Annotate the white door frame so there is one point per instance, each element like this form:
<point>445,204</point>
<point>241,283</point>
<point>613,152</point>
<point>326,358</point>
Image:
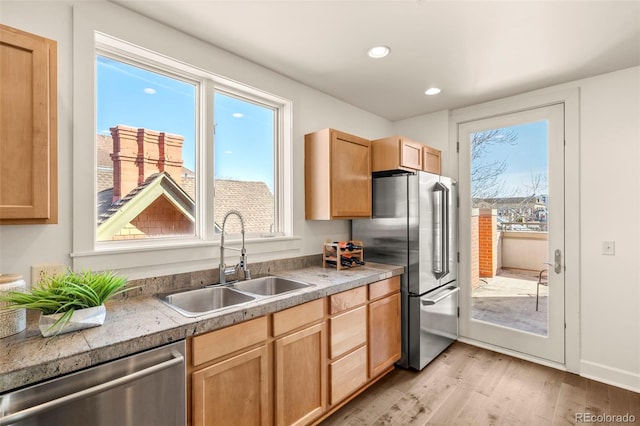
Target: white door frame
<point>570,99</point>
<point>551,345</point>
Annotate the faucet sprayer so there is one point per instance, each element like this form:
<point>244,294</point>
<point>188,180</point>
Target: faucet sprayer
<point>224,270</point>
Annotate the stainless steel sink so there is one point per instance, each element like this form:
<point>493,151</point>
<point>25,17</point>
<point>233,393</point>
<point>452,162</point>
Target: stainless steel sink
<point>269,286</point>
<point>193,303</point>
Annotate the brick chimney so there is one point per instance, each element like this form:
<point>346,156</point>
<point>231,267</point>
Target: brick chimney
<point>139,153</point>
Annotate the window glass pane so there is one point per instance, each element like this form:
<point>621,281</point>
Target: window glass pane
<point>146,125</point>
<point>509,186</point>
<point>244,164</point>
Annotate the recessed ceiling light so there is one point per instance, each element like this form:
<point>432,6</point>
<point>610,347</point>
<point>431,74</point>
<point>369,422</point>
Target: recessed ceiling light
<point>237,115</point>
<point>432,91</point>
<point>378,52</point>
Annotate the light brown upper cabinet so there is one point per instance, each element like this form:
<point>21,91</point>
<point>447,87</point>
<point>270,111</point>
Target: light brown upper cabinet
<point>431,160</point>
<point>337,176</point>
<point>401,153</point>
<point>395,153</point>
<point>28,128</point>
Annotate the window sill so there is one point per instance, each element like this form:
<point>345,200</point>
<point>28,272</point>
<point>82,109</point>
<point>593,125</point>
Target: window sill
<point>172,258</point>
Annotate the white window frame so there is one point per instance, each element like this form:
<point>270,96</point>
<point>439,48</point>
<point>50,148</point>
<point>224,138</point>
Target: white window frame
<point>155,46</point>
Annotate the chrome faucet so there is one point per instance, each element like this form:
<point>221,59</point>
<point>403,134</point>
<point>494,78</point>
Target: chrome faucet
<point>224,270</point>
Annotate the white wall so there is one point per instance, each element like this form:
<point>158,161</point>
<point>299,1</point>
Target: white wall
<point>609,194</point>
<point>23,246</point>
<point>609,161</point>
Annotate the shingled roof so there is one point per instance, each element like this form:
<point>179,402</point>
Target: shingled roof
<point>249,198</point>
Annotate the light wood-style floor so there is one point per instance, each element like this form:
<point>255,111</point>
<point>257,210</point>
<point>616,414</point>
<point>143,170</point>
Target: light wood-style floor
<point>467,385</point>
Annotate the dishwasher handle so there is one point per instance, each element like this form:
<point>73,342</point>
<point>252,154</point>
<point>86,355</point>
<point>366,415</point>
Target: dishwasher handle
<point>440,296</point>
<point>40,408</point>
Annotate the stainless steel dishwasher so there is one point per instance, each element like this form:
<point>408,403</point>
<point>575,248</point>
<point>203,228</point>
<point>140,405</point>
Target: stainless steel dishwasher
<point>148,388</point>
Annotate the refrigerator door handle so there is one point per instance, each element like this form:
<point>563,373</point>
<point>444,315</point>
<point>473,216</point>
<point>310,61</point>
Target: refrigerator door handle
<point>438,195</point>
<point>445,231</point>
<point>440,296</point>
<point>440,230</point>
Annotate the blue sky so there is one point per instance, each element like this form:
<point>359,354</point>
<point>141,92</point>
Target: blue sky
<point>139,98</point>
<point>525,159</point>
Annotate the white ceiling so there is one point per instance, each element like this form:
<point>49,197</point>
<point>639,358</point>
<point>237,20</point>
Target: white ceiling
<point>473,50</point>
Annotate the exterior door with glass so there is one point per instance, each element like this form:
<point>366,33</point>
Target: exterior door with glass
<point>511,173</point>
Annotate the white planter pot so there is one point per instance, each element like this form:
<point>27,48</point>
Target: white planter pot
<point>82,318</point>
<point>12,321</point>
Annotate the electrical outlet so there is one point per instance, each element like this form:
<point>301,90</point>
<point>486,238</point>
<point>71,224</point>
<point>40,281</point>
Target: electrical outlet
<point>609,248</point>
<point>38,272</point>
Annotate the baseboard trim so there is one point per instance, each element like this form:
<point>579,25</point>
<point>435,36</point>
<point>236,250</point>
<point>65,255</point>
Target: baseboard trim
<point>589,370</point>
<point>611,376</point>
<point>512,353</point>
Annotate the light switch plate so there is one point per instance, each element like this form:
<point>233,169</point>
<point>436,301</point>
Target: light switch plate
<point>609,248</point>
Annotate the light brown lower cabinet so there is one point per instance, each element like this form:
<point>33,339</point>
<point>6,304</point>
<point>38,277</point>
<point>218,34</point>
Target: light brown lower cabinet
<point>234,391</point>
<point>300,376</point>
<point>384,328</point>
<point>296,366</point>
<point>347,343</point>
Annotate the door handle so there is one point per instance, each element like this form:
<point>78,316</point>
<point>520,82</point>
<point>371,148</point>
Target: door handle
<point>440,297</point>
<point>557,261</point>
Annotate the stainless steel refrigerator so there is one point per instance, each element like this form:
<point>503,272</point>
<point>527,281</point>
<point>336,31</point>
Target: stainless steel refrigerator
<point>415,224</point>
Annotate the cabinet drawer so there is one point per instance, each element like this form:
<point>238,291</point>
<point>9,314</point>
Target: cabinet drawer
<point>296,317</point>
<point>348,331</point>
<point>347,299</point>
<point>384,287</point>
<point>219,343</point>
<point>348,374</point>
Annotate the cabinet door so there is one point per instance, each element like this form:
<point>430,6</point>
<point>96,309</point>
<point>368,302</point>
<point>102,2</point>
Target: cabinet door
<point>431,160</point>
<point>384,333</point>
<point>28,128</point>
<point>301,376</point>
<point>350,177</point>
<point>233,392</point>
<point>410,154</point>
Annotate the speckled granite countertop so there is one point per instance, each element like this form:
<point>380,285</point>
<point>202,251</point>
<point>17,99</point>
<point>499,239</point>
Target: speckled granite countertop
<point>136,324</point>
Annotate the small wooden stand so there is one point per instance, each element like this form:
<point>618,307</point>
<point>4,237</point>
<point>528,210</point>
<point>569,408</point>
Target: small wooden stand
<point>332,251</point>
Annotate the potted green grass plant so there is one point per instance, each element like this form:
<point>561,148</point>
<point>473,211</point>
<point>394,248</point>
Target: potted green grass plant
<point>70,301</point>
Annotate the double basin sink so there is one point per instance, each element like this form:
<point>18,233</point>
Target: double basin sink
<point>202,301</point>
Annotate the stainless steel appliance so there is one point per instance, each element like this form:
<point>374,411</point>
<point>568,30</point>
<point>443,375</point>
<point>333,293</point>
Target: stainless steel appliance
<point>148,388</point>
<point>414,224</point>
